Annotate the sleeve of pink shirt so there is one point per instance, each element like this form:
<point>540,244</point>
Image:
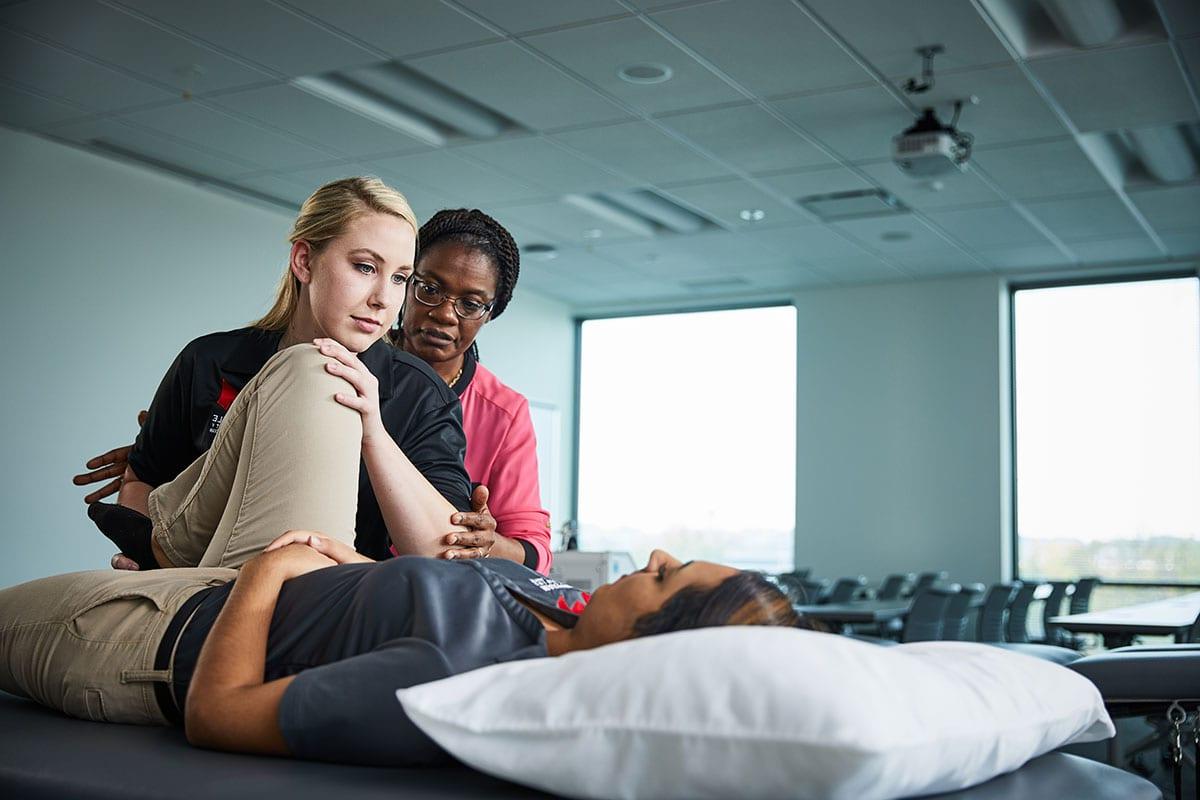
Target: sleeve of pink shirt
<point>514,499</point>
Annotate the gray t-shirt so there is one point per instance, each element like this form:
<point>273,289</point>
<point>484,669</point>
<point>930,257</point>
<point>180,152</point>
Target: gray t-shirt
<point>354,634</point>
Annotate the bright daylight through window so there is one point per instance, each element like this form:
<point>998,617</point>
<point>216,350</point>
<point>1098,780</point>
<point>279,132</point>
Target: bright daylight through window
<point>687,436</point>
<point>1107,386</point>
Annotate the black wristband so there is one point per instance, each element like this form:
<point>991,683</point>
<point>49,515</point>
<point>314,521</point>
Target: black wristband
<point>531,554</point>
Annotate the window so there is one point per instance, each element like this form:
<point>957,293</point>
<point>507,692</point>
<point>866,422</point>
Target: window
<point>687,436</point>
<point>1107,430</point>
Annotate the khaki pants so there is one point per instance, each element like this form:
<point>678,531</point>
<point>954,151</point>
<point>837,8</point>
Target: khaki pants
<point>286,457</point>
<point>85,642</point>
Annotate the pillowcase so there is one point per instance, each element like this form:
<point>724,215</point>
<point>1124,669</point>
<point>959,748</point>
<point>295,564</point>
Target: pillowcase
<point>759,712</point>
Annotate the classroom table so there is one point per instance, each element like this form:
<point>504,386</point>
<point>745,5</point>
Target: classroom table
<point>857,612</point>
<point>1175,616</point>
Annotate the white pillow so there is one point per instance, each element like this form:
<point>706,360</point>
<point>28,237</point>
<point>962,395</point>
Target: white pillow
<point>759,712</point>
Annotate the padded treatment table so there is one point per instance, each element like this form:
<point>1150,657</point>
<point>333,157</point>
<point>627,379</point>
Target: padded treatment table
<point>46,755</point>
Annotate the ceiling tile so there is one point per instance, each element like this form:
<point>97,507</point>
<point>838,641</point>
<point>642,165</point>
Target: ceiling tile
<point>895,233</point>
<point>811,244</point>
<point>638,149</point>
<point>725,200</point>
<point>1113,249</point>
<point>151,146</point>
<point>863,269</point>
<point>21,109</point>
<point>1045,169</point>
<point>1009,109</point>
<point>542,163</point>
<point>1169,208</point>
<point>1026,257</point>
<point>1182,242</point>
<point>519,85</point>
<point>457,179</point>
<point>1184,16</point>
<point>519,16</point>
<point>1123,87</point>
<point>301,114</point>
<point>887,34</point>
<point>769,46</point>
<point>422,26</point>
<point>939,262</point>
<point>953,190</point>
<point>119,39</point>
<point>747,137</point>
<point>60,75</point>
<point>1190,48</point>
<point>1085,217</point>
<point>815,181</point>
<point>596,52</point>
<point>282,188</point>
<point>988,227</point>
<point>294,47</point>
<point>202,125</point>
<point>792,276</point>
<point>858,124</point>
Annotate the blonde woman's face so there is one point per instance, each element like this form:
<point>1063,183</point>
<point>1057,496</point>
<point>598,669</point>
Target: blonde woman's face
<point>355,283</point>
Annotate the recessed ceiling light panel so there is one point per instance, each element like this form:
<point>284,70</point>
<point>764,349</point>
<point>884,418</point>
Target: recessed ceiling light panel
<point>540,251</point>
<point>752,215</point>
<point>645,73</point>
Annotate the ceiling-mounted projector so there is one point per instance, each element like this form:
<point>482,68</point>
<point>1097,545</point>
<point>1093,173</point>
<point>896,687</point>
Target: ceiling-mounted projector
<point>929,148</point>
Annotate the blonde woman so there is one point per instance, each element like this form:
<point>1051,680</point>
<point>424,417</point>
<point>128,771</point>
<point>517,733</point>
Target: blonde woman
<point>259,430</point>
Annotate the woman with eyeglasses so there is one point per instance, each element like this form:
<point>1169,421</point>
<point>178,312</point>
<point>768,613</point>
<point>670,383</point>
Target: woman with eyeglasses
<point>307,418</point>
<point>464,277</point>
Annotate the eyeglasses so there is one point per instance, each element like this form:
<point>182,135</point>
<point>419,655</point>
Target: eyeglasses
<point>430,294</point>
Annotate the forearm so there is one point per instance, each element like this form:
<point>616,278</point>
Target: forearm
<point>508,548</point>
<point>134,492</point>
<point>415,513</point>
<point>228,705</point>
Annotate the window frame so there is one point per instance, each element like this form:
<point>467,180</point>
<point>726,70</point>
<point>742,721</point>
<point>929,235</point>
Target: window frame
<point>1013,288</point>
<point>654,311</point>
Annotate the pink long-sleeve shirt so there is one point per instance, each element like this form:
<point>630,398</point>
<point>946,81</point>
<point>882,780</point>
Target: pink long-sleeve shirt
<point>502,455</point>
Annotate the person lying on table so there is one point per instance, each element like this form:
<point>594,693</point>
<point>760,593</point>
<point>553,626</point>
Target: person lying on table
<point>302,654</point>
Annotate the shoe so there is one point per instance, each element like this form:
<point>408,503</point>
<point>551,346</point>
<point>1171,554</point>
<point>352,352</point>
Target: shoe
<point>128,529</point>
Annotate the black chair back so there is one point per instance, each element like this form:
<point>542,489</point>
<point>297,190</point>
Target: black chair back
<point>991,615</point>
<point>844,589</point>
<point>892,586</point>
<point>1053,634</point>
<point>927,579</point>
<point>958,611</point>
<point>1081,601</point>
<point>927,614</point>
<point>1016,628</point>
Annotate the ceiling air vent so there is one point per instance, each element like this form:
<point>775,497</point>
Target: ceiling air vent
<point>640,211</point>
<point>715,284</point>
<point>399,98</point>
<point>851,205</point>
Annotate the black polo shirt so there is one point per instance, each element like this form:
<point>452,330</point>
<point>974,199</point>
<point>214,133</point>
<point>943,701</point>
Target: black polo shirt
<point>417,408</point>
<point>353,634</point>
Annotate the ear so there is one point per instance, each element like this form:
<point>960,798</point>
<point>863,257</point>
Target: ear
<point>300,262</point>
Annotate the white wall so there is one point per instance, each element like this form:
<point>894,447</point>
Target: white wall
<point>901,432</point>
<point>108,270</point>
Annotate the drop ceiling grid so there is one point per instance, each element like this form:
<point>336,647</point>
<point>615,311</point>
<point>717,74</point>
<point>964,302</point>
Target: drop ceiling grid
<point>707,142</point>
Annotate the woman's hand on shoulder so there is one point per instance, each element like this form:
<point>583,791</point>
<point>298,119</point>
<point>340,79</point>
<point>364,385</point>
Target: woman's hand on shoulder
<point>339,552</point>
<point>365,397</point>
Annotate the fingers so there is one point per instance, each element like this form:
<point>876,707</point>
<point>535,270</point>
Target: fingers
<point>480,522</point>
<point>289,537</point>
<point>116,456</point>
<point>469,539</point>
<point>104,491</point>
<point>457,553</point>
<point>110,471</point>
<point>122,561</point>
<point>479,498</point>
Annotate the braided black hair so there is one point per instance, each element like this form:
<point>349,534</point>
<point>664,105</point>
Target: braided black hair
<point>474,229</point>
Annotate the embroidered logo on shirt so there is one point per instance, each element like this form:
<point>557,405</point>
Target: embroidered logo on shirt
<point>224,401</point>
<point>549,584</point>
